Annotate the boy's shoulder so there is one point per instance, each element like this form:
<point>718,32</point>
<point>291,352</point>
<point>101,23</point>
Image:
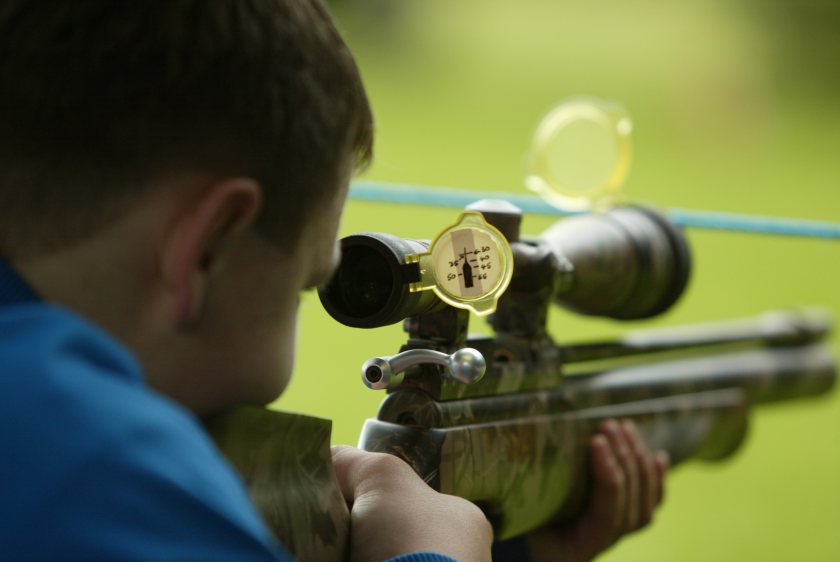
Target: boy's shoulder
<point>95,460</point>
<point>73,386</point>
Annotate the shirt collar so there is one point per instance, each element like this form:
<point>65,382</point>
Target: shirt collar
<point>13,289</point>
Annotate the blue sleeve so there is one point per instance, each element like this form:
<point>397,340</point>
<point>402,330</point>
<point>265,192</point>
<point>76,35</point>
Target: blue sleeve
<point>143,500</point>
<point>98,467</point>
<point>422,557</point>
<point>513,550</point>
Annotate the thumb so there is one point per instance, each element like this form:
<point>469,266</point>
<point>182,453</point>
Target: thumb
<point>347,463</point>
<point>359,472</point>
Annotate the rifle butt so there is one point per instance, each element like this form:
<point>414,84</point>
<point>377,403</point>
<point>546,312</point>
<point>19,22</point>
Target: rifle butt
<point>286,464</point>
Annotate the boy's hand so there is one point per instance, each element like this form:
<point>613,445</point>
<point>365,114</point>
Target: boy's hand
<point>628,485</point>
<point>394,512</point>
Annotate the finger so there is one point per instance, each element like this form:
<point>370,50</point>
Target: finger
<point>359,472</point>
<point>627,462</point>
<point>394,512</point>
<point>346,462</point>
<point>662,463</point>
<point>647,471</point>
<point>607,502</point>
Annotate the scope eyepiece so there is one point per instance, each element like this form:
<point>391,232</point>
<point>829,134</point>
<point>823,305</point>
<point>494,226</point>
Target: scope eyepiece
<point>371,286</point>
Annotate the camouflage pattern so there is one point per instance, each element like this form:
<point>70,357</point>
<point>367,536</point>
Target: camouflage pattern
<point>517,364</point>
<point>521,454</point>
<point>763,375</point>
<point>524,471</point>
<point>286,463</point>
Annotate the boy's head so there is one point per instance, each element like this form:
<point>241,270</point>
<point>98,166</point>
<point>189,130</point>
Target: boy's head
<point>98,99</point>
<point>164,164</point>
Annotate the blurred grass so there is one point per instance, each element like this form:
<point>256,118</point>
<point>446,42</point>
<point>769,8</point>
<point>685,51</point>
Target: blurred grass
<point>721,122</point>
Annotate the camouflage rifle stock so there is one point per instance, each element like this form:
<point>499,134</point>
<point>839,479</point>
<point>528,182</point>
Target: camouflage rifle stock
<point>515,441</point>
<point>520,451</point>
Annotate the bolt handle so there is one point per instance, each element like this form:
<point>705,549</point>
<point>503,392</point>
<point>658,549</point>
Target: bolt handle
<point>466,366</point>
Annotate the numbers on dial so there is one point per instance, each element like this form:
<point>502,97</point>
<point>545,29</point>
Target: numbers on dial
<point>467,263</point>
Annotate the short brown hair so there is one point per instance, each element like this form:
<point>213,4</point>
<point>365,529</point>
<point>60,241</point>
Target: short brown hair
<point>99,97</point>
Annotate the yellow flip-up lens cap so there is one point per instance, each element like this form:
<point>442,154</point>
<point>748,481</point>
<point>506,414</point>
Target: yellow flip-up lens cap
<point>581,154</point>
<point>469,265</point>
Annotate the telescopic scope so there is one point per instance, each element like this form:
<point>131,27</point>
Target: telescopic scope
<point>628,263</point>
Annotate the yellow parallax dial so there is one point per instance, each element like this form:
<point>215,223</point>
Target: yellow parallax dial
<point>468,265</point>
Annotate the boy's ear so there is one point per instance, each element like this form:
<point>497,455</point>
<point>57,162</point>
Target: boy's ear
<point>196,240</point>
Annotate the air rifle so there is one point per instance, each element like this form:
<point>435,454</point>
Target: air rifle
<point>504,421</point>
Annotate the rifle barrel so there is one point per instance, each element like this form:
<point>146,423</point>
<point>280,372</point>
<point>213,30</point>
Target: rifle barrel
<point>776,328</point>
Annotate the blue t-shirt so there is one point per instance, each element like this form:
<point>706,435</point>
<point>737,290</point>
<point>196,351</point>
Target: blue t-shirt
<point>96,465</point>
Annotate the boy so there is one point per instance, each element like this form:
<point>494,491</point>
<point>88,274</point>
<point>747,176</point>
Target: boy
<point>172,174</point>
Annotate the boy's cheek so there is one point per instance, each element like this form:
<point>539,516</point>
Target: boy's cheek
<point>279,355</point>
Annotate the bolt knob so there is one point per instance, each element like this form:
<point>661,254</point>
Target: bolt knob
<point>467,365</point>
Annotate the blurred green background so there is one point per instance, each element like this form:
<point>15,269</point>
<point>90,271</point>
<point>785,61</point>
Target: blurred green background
<point>735,107</point>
